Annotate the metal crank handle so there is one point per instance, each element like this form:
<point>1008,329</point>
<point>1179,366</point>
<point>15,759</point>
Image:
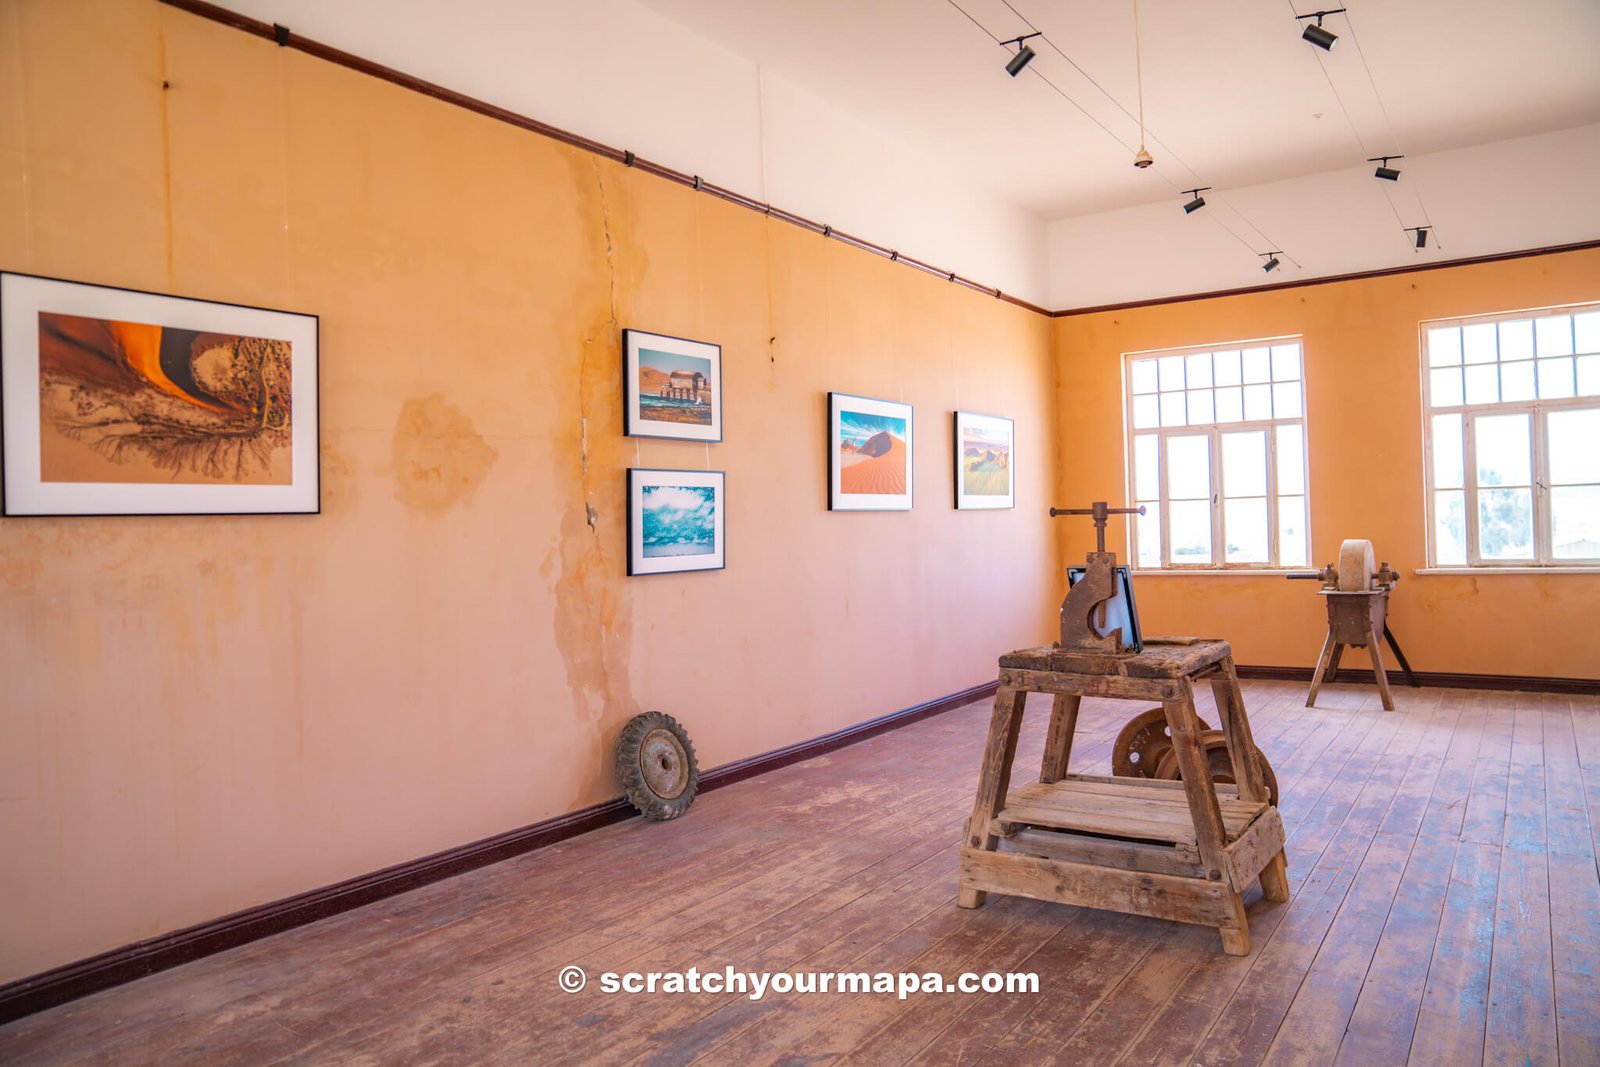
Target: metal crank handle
<point>1090,511</point>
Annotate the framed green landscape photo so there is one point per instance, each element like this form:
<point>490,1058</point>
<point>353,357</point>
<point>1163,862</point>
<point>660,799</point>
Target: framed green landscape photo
<point>983,447</point>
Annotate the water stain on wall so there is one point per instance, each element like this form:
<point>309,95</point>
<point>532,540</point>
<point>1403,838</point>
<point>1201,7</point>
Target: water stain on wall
<point>338,477</point>
<point>440,459</point>
<point>21,564</point>
<point>593,616</point>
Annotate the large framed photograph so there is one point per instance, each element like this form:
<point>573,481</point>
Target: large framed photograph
<point>672,387</point>
<point>983,461</point>
<point>869,454</point>
<point>120,402</point>
<point>677,521</point>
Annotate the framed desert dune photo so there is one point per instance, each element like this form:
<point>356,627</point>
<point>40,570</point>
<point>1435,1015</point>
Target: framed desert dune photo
<point>672,387</point>
<point>119,402</point>
<point>869,454</point>
<point>984,445</point>
<point>677,521</point>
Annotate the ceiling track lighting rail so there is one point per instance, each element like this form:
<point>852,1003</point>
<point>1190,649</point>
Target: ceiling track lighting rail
<point>1384,171</point>
<point>1142,158</point>
<point>1316,33</point>
<point>1024,54</point>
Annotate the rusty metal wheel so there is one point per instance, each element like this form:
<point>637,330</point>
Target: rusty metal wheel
<point>1142,743</point>
<point>656,765</point>
<point>1215,745</point>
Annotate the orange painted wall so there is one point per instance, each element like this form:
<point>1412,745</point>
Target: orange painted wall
<point>202,714</point>
<point>1364,426</point>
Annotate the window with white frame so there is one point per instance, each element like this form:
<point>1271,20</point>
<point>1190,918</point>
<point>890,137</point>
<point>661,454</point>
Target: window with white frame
<point>1217,455</point>
<point>1513,428</point>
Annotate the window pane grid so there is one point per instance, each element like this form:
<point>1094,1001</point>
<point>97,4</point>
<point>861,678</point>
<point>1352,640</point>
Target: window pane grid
<point>1212,505</point>
<point>1511,432</point>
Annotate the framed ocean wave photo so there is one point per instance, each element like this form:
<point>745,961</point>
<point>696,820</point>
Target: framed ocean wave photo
<point>677,521</point>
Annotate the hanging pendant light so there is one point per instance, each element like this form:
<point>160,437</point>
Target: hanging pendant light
<point>1141,158</point>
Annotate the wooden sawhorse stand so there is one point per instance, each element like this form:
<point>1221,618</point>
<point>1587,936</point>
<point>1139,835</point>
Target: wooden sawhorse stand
<point>1173,850</point>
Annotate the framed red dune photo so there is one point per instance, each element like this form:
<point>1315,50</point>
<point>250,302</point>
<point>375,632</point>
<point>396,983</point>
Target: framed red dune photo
<point>869,454</point>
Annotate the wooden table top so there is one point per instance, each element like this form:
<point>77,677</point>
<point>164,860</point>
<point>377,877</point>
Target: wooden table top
<point>1170,657</point>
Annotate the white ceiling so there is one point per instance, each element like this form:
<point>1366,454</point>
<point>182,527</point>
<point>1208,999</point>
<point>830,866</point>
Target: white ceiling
<point>895,120</point>
<point>1232,95</point>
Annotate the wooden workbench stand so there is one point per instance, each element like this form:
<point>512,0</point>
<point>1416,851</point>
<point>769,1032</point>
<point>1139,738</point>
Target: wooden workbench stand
<point>1173,850</point>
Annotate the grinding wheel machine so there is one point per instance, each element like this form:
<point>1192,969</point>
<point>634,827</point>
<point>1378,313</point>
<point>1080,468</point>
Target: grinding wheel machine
<point>1357,593</point>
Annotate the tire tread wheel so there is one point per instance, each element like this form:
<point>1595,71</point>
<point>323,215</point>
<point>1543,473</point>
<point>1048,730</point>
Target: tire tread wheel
<point>656,765</point>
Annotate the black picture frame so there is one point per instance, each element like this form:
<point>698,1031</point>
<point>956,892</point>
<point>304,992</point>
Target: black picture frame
<point>846,408</point>
<point>109,313</point>
<point>640,560</point>
<point>699,361</point>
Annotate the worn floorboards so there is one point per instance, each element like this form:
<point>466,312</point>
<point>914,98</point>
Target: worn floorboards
<point>1445,908</point>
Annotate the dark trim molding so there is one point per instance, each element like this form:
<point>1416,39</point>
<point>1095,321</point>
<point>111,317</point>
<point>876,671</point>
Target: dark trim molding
<point>285,38</point>
<point>73,980</point>
<point>751,766</point>
<point>1435,680</point>
<point>1298,283</point>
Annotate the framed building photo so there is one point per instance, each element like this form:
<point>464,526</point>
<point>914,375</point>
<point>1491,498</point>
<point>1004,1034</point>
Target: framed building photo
<point>983,461</point>
<point>869,454</point>
<point>672,387</point>
<point>677,521</point>
<point>119,402</point>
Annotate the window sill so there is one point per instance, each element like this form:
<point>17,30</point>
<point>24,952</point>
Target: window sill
<point>1470,571</point>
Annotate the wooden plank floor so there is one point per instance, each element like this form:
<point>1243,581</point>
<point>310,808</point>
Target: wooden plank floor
<point>1445,909</point>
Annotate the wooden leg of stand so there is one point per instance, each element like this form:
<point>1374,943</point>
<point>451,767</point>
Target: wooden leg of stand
<point>995,778</point>
<point>1236,729</point>
<point>1275,878</point>
<point>1333,664</point>
<point>1236,933</point>
<point>1375,647</point>
<point>1328,648</point>
<point>1058,742</point>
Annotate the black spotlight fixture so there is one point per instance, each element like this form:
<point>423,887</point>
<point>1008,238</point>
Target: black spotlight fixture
<point>1272,261</point>
<point>1316,34</point>
<point>1384,171</point>
<point>1024,54</point>
<point>1198,202</point>
<point>1422,235</point>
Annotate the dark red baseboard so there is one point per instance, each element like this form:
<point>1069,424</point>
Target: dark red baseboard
<point>71,981</point>
<point>1435,680</point>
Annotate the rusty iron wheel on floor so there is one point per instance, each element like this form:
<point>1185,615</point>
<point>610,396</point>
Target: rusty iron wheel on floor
<point>656,766</point>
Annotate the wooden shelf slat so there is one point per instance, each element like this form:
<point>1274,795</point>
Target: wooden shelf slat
<point>1133,810</point>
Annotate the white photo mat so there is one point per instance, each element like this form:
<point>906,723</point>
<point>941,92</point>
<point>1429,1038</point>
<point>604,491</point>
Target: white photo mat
<point>23,297</point>
<point>641,480</point>
<point>639,350</point>
<point>990,433</point>
<point>841,495</point>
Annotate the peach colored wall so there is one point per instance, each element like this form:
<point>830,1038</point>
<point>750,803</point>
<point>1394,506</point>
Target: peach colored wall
<point>202,714</point>
<point>1364,426</point>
